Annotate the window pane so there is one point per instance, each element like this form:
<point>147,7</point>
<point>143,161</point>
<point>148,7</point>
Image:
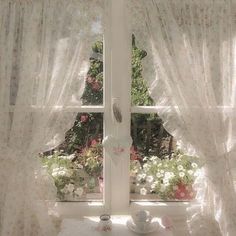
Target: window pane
<point>159,170</point>
<point>93,93</point>
<point>139,89</point>
<point>76,165</point>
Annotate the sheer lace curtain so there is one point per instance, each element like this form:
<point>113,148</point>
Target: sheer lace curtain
<point>44,52</point>
<point>190,69</point>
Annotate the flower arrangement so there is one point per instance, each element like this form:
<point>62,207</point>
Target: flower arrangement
<point>75,174</point>
<point>70,178</point>
<point>168,178</point>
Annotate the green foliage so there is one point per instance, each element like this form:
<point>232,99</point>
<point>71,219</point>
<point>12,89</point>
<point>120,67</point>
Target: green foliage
<point>139,89</point>
<point>87,127</point>
<point>91,158</point>
<point>74,175</point>
<point>65,173</point>
<point>83,132</point>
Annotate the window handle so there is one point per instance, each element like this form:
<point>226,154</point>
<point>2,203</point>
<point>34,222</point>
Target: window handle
<point>116,110</point>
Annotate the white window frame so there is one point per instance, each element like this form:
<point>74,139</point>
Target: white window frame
<point>117,77</point>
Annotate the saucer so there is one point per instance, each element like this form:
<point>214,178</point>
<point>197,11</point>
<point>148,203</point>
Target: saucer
<point>153,227</point>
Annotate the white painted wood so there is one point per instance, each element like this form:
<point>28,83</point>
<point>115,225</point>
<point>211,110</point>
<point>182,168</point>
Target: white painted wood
<point>156,109</point>
<point>107,123</point>
<point>121,83</point>
<point>82,109</point>
<point>87,227</point>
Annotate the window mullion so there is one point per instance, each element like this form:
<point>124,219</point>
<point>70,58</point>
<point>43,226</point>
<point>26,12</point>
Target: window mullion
<point>120,93</point>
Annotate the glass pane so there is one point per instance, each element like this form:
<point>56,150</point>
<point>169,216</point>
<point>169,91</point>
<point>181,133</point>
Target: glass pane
<point>159,169</point>
<point>139,89</point>
<point>77,164</point>
<point>93,93</point>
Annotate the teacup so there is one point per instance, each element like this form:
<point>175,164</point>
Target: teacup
<point>142,219</point>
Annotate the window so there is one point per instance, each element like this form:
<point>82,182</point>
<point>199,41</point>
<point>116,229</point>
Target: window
<point>105,178</point>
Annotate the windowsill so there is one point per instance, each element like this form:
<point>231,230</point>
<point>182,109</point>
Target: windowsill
<point>94,208</point>
<point>88,225</point>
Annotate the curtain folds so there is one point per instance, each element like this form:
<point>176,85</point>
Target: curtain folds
<point>44,53</point>
<point>190,68</point>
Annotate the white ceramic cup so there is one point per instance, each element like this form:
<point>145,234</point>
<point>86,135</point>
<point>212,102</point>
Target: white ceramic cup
<point>142,219</point>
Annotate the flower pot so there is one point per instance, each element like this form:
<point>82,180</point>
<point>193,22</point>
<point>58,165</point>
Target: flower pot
<point>184,192</point>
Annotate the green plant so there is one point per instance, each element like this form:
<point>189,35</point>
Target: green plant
<point>91,158</point>
<point>70,179</point>
<point>168,178</point>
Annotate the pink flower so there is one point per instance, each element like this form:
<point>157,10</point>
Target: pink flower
<point>83,118</point>
<point>90,79</point>
<point>96,86</point>
<point>184,192</point>
<point>133,154</point>
<point>94,142</point>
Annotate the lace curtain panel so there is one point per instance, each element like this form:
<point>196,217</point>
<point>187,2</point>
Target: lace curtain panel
<point>190,69</point>
<point>44,53</point>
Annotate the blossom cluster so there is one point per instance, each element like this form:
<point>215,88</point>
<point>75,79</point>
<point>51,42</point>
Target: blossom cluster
<point>167,178</point>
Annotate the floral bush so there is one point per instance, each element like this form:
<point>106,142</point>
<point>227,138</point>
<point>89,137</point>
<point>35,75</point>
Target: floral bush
<point>168,178</point>
<point>75,174</point>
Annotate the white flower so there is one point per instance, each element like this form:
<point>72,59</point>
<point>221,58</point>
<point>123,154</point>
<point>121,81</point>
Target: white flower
<point>153,186</point>
<point>181,174</point>
<point>162,171</point>
<point>49,157</point>
<point>54,174</point>
<point>169,175</point>
<point>166,182</point>
<point>69,188</point>
<point>180,167</point>
<point>143,175</point>
<point>145,158</point>
<point>160,164</point>
<point>194,165</point>
<point>79,191</point>
<point>153,158</point>
<point>158,174</point>
<point>143,191</point>
<point>139,177</point>
<point>149,178</point>
<point>70,157</point>
<point>190,172</point>
<point>146,167</point>
<point>80,166</point>
<point>62,172</point>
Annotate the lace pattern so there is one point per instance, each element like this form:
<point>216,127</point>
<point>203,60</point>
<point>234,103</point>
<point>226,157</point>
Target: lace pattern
<point>44,53</point>
<point>190,69</point>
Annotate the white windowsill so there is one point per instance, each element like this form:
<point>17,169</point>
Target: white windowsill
<point>79,209</point>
